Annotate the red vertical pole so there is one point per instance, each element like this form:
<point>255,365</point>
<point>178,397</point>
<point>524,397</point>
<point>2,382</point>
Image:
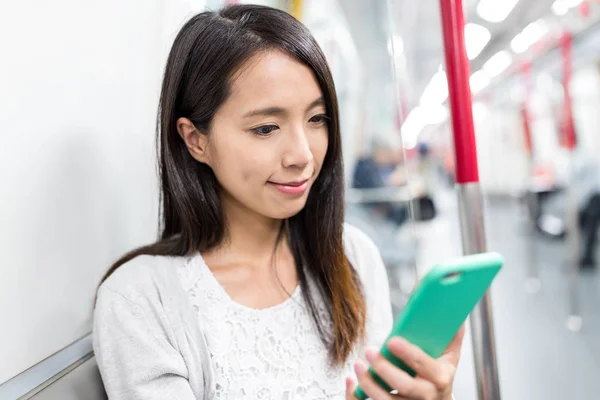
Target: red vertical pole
<point>469,193</point>
<point>569,139</point>
<point>459,93</point>
<point>584,8</point>
<point>526,74</point>
<point>527,130</point>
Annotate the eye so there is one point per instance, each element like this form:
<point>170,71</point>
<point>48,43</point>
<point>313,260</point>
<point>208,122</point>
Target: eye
<point>319,119</point>
<point>265,130</point>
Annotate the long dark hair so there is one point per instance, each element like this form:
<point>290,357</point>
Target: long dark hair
<point>208,50</point>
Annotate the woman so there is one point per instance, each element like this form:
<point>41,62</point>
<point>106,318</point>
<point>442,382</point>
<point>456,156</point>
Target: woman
<point>255,289</point>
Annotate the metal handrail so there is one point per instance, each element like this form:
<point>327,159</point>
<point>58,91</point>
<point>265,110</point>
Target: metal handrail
<point>29,382</point>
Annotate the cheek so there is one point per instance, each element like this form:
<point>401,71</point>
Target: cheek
<point>237,166</point>
<point>319,147</point>
<point>246,175</point>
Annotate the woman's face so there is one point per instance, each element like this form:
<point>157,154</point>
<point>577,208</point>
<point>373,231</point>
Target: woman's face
<point>268,141</point>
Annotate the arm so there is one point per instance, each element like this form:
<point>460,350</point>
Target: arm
<point>135,358</point>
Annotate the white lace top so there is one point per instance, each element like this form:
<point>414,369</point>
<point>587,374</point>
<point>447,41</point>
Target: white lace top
<point>165,329</point>
<point>276,353</point>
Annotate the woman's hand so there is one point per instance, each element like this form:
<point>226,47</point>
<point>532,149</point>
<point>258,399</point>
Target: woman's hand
<point>433,380</point>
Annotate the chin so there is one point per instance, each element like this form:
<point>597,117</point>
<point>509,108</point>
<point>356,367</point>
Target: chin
<point>288,211</point>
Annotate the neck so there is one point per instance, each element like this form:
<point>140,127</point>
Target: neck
<point>249,234</point>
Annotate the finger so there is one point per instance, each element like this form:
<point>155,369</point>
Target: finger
<point>425,367</point>
<point>452,353</point>
<point>368,384</point>
<point>350,388</point>
<point>399,380</point>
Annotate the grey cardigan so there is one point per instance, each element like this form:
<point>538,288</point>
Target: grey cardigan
<point>147,338</point>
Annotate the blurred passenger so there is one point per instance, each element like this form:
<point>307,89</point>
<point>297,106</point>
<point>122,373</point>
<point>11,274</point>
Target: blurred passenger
<point>449,167</point>
<point>587,187</point>
<point>255,288</point>
<point>426,171</point>
<point>590,220</point>
<point>585,179</point>
<point>382,167</point>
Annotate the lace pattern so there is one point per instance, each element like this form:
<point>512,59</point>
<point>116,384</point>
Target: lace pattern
<point>273,353</point>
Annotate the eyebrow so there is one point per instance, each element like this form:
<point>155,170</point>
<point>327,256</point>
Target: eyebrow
<point>279,111</point>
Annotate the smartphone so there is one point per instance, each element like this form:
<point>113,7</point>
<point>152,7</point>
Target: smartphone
<point>440,305</point>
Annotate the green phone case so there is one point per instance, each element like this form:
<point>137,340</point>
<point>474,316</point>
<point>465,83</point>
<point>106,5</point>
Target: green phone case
<point>439,306</point>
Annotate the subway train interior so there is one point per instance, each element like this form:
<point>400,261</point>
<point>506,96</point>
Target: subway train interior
<point>466,126</point>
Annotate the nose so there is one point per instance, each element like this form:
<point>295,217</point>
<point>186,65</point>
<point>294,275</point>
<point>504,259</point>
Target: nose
<point>297,150</point>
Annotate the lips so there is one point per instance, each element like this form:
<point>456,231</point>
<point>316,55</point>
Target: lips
<point>293,184</point>
<point>293,188</point>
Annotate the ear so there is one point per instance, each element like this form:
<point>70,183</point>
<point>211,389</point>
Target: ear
<point>195,141</point>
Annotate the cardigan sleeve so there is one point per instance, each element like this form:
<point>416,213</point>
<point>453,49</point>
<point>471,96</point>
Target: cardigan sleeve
<point>134,355</point>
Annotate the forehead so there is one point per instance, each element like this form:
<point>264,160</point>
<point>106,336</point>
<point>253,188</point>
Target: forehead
<point>273,79</point>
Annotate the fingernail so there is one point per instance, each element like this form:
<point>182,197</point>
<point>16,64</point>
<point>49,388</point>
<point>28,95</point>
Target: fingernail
<point>349,383</point>
<point>359,368</point>
<point>396,343</point>
<point>371,355</point>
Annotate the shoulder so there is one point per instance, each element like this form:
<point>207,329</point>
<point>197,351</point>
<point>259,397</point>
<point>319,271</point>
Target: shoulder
<point>141,278</point>
<point>143,296</point>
